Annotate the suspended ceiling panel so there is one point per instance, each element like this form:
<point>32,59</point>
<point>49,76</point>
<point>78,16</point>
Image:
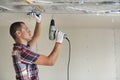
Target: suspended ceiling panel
<point>61,6</point>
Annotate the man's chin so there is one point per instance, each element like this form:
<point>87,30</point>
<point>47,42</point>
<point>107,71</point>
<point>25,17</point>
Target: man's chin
<point>29,39</point>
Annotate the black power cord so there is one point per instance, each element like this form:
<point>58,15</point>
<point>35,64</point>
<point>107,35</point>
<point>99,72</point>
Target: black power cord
<point>69,57</point>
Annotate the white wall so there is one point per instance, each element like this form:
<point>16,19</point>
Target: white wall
<point>95,46</point>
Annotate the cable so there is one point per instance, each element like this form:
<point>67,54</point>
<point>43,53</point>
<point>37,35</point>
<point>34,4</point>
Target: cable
<point>68,65</point>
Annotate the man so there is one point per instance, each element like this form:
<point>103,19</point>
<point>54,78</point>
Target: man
<point>24,59</point>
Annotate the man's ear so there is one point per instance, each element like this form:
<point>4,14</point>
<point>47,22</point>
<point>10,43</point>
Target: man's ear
<point>18,33</point>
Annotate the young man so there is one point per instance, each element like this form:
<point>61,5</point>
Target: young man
<point>24,59</point>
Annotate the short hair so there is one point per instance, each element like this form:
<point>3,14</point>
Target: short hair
<point>14,27</point>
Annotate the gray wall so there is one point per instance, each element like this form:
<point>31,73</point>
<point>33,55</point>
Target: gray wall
<point>95,44</point>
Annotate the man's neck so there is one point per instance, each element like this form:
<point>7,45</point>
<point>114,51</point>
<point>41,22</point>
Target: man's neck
<point>21,41</point>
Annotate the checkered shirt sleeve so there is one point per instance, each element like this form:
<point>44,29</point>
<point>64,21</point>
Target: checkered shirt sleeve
<point>26,55</point>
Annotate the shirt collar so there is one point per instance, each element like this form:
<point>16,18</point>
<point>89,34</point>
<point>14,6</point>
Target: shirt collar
<point>22,45</point>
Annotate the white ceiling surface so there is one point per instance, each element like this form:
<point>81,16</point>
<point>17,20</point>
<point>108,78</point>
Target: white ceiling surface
<point>66,21</point>
<point>62,6</point>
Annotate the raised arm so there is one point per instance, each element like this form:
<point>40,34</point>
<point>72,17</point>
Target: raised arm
<point>52,57</point>
<point>37,31</point>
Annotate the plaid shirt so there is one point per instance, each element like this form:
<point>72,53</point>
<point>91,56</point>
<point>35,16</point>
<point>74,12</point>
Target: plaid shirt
<point>23,61</point>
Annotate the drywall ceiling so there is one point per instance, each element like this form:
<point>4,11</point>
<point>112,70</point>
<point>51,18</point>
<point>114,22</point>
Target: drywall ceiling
<point>61,6</point>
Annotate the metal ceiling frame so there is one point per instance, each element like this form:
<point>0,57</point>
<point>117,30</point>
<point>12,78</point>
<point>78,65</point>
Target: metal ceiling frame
<point>66,6</point>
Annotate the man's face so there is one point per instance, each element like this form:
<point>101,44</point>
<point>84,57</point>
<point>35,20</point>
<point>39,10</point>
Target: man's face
<point>26,33</point>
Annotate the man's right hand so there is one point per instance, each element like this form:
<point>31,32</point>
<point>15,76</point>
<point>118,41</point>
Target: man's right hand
<point>38,18</point>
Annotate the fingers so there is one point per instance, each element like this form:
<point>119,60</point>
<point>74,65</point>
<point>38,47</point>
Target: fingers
<point>59,37</point>
<point>38,17</point>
